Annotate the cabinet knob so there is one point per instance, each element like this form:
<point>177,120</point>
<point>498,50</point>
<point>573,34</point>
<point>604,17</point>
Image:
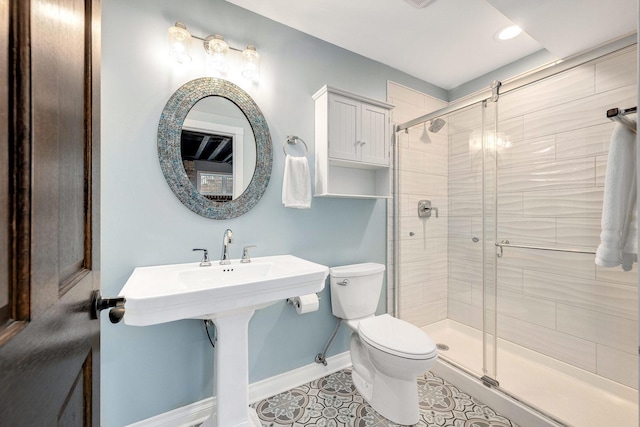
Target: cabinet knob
<point>363,142</point>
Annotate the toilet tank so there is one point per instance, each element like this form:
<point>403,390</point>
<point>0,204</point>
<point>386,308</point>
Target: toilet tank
<point>355,289</point>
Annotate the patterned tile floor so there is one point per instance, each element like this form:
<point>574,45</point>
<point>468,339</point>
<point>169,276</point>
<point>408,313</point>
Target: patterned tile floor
<point>333,401</point>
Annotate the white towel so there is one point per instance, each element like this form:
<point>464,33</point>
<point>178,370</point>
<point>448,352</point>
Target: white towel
<point>296,184</point>
<point>618,239</point>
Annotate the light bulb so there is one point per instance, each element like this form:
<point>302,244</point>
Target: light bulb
<point>217,50</point>
<point>251,63</point>
<point>179,43</point>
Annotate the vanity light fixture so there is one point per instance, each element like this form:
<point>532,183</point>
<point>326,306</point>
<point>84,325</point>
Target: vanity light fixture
<point>218,52</point>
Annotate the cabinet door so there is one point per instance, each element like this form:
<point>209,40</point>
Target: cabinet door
<point>374,140</point>
<point>344,128</point>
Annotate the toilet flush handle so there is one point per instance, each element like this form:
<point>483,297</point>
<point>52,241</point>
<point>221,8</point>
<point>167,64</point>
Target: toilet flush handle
<point>345,282</point>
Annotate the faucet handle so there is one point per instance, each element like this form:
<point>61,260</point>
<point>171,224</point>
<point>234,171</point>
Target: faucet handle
<point>245,253</point>
<point>228,234</point>
<point>205,258</point>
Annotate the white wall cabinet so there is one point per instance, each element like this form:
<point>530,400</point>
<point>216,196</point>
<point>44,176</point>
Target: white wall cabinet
<point>352,145</point>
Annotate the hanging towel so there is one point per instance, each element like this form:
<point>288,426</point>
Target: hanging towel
<point>618,239</point>
<point>296,184</point>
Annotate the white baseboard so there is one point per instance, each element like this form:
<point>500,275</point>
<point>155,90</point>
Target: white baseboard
<point>195,413</point>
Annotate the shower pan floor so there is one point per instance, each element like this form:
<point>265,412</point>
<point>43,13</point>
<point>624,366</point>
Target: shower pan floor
<point>570,394</point>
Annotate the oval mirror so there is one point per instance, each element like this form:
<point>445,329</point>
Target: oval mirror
<point>214,148</point>
<point>218,149</point>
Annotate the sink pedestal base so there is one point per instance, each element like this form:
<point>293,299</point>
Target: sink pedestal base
<point>252,415</point>
<point>232,372</point>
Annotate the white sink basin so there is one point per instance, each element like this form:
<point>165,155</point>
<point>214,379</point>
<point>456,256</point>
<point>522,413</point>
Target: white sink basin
<point>166,293</point>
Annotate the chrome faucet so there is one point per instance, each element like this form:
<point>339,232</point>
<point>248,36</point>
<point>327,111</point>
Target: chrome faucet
<point>225,259</point>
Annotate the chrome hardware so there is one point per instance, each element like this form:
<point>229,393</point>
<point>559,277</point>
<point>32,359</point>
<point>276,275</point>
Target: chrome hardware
<point>495,90</point>
<point>425,208</point>
<point>542,248</point>
<point>475,239</point>
<point>618,115</point>
<point>489,382</point>
<point>293,140</point>
<point>296,303</point>
<point>227,239</point>
<point>205,258</point>
<point>345,282</point>
<point>115,304</point>
<point>245,253</point>
<point>499,245</point>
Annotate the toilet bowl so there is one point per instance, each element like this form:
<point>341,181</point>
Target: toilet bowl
<point>387,354</point>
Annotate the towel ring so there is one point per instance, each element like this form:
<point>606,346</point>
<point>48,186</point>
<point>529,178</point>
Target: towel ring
<point>292,139</point>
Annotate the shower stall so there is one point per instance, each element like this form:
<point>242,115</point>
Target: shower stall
<point>504,277</point>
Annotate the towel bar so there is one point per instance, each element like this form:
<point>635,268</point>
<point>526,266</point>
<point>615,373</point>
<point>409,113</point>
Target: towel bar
<point>292,139</point>
<point>618,115</point>
<point>506,243</point>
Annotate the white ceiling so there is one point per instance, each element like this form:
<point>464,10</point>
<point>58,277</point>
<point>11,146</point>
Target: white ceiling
<point>451,42</point>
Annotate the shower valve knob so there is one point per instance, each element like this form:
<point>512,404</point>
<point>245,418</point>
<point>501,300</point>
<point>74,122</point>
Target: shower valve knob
<point>425,209</point>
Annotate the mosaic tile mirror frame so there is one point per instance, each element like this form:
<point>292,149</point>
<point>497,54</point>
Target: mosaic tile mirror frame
<point>169,148</point>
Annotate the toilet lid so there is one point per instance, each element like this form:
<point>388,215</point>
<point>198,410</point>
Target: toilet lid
<point>395,336</point>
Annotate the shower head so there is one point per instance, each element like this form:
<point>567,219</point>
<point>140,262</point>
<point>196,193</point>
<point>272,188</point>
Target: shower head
<point>436,125</point>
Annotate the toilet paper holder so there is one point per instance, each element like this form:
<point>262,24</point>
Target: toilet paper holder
<point>294,301</point>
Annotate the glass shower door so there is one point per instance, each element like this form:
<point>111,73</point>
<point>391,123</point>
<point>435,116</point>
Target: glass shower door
<point>490,143</point>
<point>471,240</point>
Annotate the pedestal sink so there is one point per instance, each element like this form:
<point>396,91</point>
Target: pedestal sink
<point>228,295</point>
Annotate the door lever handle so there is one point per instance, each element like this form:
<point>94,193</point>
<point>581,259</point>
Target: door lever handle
<point>115,304</point>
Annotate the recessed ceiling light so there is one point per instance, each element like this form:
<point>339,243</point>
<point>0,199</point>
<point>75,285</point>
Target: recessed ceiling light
<point>509,33</point>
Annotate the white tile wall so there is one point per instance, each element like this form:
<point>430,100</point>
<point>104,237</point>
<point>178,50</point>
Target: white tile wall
<point>616,71</point>
<point>566,347</point>
<point>592,295</point>
<point>423,171</point>
<point>606,329</point>
<point>617,365</point>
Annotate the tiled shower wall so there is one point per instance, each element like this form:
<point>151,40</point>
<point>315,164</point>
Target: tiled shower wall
<point>422,243</point>
<point>551,159</point>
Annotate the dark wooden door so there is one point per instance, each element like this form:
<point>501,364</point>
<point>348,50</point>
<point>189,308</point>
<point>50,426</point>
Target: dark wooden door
<point>49,227</point>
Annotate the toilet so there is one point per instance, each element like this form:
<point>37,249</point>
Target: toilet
<point>387,353</point>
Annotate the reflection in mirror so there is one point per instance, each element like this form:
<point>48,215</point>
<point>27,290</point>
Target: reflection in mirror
<point>199,123</point>
<point>218,149</point>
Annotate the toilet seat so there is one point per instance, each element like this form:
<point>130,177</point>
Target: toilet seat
<point>397,337</point>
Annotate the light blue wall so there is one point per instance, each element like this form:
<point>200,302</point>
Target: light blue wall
<point>150,370</point>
